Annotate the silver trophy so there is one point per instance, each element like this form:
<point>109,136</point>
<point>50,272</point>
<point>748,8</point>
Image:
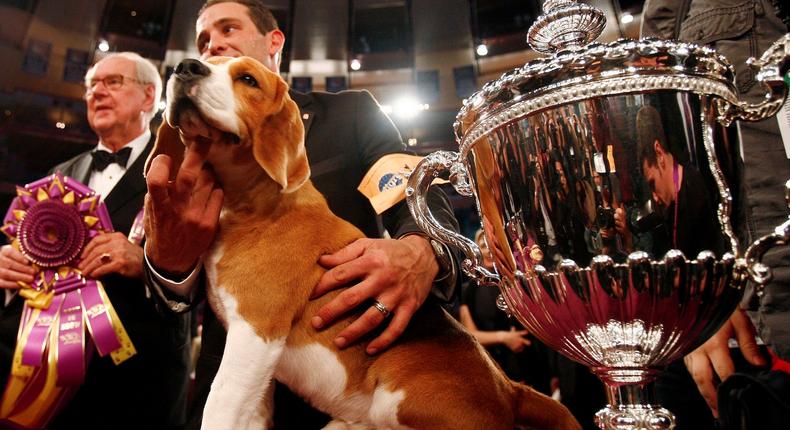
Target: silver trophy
<point>606,177</point>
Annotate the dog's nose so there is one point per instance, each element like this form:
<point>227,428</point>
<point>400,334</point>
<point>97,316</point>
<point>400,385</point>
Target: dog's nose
<point>190,69</point>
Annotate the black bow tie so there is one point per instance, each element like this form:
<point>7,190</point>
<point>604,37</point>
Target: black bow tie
<point>102,159</point>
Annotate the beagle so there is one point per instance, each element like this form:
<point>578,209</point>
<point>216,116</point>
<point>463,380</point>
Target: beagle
<point>263,265</point>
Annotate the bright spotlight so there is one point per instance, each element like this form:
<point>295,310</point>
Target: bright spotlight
<point>626,18</point>
<point>355,64</point>
<point>407,108</point>
<point>104,46</point>
<point>61,125</point>
<point>412,141</point>
<point>482,50</point>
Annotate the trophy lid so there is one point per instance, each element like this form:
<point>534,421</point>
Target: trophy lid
<point>581,70</point>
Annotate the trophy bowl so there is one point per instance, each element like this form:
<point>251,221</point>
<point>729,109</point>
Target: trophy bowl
<point>607,180</point>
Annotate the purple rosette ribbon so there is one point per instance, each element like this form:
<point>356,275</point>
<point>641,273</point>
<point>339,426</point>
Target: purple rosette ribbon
<point>50,222</point>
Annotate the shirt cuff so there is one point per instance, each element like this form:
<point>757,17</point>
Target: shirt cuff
<point>177,295</point>
<point>445,281</point>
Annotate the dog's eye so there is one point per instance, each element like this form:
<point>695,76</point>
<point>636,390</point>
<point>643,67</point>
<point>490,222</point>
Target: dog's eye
<point>249,80</point>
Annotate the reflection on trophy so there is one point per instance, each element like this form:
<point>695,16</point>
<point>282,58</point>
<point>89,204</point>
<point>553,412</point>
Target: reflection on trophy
<point>619,163</point>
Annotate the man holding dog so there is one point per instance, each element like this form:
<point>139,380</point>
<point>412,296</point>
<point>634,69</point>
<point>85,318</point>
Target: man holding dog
<point>346,134</point>
<point>149,389</point>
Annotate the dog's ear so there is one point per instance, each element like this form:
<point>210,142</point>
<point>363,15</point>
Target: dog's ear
<point>168,142</point>
<point>278,145</point>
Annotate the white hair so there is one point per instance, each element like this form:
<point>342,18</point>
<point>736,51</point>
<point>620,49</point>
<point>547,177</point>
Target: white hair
<point>146,72</point>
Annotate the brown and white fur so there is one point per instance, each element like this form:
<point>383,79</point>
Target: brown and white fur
<point>263,266</point>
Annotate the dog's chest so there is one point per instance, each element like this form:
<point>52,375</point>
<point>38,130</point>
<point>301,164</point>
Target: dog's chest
<point>314,372</point>
<point>210,263</point>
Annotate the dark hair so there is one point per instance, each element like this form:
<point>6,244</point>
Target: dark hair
<point>260,15</point>
<point>649,129</point>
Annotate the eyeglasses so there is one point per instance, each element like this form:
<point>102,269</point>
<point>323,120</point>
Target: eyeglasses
<point>111,82</point>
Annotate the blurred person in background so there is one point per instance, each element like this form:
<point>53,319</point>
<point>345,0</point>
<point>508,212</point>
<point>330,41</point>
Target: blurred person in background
<point>752,380</point>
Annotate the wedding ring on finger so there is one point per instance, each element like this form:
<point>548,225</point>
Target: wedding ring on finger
<point>105,258</point>
<point>381,307</point>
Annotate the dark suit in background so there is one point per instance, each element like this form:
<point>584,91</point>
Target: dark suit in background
<point>147,391</point>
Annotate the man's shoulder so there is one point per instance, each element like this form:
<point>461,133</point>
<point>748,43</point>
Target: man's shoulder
<point>68,164</point>
<point>326,98</point>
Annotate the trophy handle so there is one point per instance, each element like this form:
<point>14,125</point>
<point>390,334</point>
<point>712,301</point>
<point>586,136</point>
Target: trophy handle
<point>420,180</point>
<point>771,69</point>
<point>759,272</point>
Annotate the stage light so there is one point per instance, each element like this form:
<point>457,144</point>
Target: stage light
<point>482,50</point>
<point>104,46</point>
<point>405,108</point>
<point>412,141</point>
<point>626,18</point>
<point>60,125</point>
<point>355,64</point>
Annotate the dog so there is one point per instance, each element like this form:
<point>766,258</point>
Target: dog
<point>263,265</point>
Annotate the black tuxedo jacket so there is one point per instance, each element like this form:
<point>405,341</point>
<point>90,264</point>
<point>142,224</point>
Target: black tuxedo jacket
<point>345,134</point>
<point>148,390</point>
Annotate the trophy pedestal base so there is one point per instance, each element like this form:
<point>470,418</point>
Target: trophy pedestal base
<point>634,417</point>
<point>632,405</point>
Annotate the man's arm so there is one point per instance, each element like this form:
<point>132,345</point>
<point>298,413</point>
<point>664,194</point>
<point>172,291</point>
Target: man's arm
<point>713,357</point>
<point>399,272</point>
<point>181,216</point>
<point>178,295</point>
<point>515,340</point>
<point>661,18</point>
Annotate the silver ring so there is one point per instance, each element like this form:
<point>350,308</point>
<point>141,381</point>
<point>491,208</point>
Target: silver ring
<point>381,308</point>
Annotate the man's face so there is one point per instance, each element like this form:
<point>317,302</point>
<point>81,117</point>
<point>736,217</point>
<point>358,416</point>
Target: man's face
<point>659,178</point>
<point>488,261</point>
<point>561,174</point>
<point>120,108</point>
<point>225,29</point>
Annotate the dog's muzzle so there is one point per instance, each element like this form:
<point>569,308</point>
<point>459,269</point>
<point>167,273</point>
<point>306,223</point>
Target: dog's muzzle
<point>191,70</point>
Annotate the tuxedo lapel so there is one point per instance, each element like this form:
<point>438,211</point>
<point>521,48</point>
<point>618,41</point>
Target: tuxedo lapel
<point>308,111</point>
<point>80,169</point>
<point>128,190</point>
<point>307,114</point>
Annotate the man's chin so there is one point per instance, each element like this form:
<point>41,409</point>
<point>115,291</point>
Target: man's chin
<point>100,123</point>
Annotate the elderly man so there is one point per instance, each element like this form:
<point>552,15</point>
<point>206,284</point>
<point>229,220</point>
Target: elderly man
<point>149,389</point>
<point>346,134</point>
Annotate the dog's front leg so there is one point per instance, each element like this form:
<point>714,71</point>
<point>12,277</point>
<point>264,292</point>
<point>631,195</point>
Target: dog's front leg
<point>241,393</point>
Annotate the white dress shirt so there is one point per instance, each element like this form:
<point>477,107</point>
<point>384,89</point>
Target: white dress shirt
<point>103,182</point>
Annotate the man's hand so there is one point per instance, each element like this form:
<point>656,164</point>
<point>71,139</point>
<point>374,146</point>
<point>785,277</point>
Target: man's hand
<point>620,223</point>
<point>714,355</point>
<point>14,268</point>
<point>111,253</point>
<point>181,217</point>
<point>515,340</point>
<point>397,273</point>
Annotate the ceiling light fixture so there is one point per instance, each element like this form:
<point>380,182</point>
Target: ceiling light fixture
<point>626,18</point>
<point>482,50</point>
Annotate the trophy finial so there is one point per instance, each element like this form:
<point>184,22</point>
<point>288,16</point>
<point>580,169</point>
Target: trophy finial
<point>565,24</point>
